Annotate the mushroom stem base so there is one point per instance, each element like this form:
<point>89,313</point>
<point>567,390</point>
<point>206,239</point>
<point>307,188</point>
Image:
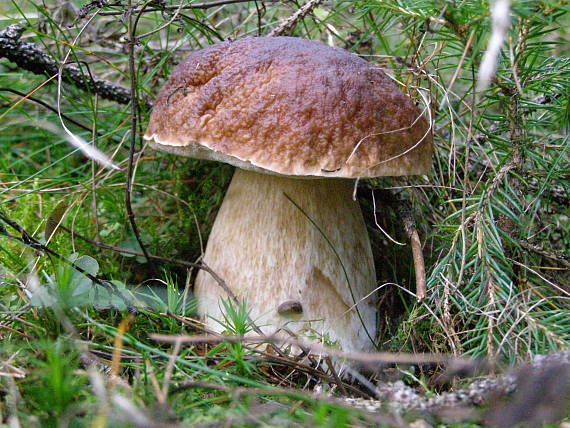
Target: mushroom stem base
<point>297,251</point>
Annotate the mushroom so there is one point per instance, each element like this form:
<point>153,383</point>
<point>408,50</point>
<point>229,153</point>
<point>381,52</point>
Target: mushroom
<point>300,120</point>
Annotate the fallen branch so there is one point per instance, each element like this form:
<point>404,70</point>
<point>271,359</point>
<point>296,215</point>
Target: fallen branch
<point>486,392</point>
<point>28,57</point>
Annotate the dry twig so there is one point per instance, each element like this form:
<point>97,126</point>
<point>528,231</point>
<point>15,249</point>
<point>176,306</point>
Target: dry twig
<point>405,211</point>
<point>360,357</point>
<point>290,23</point>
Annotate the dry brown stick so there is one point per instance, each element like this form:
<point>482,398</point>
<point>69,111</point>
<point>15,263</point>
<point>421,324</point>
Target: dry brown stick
<point>287,361</point>
<point>419,265</point>
<point>335,375</point>
<point>405,211</point>
<point>292,363</point>
<point>290,23</point>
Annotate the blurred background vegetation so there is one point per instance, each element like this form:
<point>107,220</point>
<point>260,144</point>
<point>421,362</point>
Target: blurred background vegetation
<point>493,214</point>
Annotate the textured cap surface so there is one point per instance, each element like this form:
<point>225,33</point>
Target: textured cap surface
<point>290,106</point>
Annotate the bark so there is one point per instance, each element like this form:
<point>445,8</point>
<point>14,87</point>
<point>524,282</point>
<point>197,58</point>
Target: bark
<point>28,57</point>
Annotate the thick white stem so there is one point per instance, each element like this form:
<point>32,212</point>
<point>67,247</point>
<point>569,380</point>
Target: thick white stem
<point>298,252</point>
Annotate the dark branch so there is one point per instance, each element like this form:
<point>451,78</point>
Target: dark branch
<point>133,136</point>
<point>46,105</point>
<point>28,57</point>
<point>28,240</point>
<point>190,6</point>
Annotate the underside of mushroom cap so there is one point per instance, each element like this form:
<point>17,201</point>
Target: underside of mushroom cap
<point>293,107</point>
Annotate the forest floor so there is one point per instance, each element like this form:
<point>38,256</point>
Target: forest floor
<point>98,253</point>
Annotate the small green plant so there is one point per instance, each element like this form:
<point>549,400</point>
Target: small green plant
<point>170,300</point>
<point>54,385</point>
<point>71,288</point>
<point>236,322</point>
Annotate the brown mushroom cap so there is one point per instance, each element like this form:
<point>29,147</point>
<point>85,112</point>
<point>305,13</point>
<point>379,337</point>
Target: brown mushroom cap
<point>289,106</point>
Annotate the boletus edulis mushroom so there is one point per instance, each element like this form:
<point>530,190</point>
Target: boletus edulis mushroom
<point>300,121</point>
